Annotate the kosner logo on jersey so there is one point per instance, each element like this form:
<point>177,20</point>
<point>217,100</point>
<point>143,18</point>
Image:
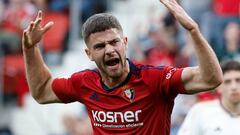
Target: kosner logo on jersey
<point>116,117</point>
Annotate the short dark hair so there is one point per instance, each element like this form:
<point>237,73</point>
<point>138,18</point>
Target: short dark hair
<point>98,23</point>
<point>230,65</point>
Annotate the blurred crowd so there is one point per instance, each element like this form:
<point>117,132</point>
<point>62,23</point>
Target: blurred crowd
<point>156,41</point>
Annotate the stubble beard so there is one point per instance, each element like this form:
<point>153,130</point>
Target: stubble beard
<point>119,72</point>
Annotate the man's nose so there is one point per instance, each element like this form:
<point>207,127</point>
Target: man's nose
<point>109,49</point>
<point>233,86</point>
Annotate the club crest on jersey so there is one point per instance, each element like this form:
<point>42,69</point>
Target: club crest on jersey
<point>129,93</point>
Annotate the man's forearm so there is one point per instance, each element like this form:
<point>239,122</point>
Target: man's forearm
<point>36,71</point>
<point>210,69</point>
<point>208,74</point>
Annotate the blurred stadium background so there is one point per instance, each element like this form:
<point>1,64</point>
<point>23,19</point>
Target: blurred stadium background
<point>154,38</point>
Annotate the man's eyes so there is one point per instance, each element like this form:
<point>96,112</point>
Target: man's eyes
<point>227,81</point>
<point>238,80</point>
<point>114,42</point>
<point>99,46</point>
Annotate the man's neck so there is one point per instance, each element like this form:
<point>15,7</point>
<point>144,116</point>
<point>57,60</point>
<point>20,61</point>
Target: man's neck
<point>232,108</point>
<point>114,82</point>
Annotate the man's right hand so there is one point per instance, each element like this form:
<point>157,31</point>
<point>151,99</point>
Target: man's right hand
<point>33,34</point>
<point>182,17</point>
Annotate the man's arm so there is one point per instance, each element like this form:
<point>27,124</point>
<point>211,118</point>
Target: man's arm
<point>208,75</point>
<point>38,75</point>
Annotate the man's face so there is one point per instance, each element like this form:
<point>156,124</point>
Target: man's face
<point>108,50</point>
<point>230,89</point>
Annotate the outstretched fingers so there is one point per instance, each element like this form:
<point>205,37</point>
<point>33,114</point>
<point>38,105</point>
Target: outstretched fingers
<point>24,35</point>
<point>31,26</point>
<point>168,1</point>
<point>180,14</point>
<point>47,26</point>
<point>38,21</point>
<point>39,18</point>
<point>33,34</point>
<point>170,4</point>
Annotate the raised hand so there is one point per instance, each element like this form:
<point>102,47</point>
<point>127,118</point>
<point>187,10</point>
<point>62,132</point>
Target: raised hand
<point>179,13</point>
<point>168,2</point>
<point>33,34</point>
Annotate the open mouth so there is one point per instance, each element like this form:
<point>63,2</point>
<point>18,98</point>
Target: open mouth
<point>112,62</point>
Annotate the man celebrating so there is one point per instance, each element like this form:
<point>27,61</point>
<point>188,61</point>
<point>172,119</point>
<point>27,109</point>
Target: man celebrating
<point>120,96</point>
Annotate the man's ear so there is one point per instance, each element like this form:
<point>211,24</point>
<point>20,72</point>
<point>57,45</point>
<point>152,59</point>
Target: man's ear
<point>125,41</point>
<point>87,51</point>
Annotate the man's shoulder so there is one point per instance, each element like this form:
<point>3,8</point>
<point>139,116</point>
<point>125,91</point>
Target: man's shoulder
<point>151,69</point>
<point>87,73</point>
<point>208,103</point>
<point>207,106</point>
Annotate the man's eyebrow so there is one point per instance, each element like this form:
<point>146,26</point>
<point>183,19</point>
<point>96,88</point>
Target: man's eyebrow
<point>103,43</point>
<point>115,39</point>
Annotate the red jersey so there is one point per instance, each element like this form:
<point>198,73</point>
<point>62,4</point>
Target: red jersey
<point>142,104</point>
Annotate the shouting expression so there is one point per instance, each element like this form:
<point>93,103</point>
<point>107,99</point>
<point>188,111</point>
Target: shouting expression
<point>108,50</point>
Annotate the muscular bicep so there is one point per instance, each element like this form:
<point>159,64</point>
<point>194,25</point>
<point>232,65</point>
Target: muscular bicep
<point>193,81</point>
<point>48,95</point>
